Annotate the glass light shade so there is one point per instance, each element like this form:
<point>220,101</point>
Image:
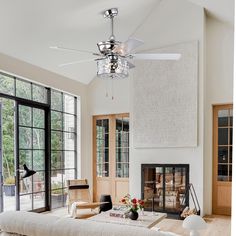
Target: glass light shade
<point>112,67</point>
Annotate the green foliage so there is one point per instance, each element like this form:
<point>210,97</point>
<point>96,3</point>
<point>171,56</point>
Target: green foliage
<point>23,89</point>
<point>9,180</point>
<point>8,137</point>
<point>6,84</point>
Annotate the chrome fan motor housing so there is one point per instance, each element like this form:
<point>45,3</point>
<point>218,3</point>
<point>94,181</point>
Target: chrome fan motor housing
<point>106,47</point>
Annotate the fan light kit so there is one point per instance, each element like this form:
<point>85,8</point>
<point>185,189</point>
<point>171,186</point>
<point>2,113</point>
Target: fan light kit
<point>114,56</point>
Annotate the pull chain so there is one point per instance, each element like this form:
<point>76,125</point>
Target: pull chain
<point>112,89</point>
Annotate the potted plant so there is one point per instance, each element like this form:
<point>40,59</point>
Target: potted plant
<point>133,205</point>
<point>9,186</point>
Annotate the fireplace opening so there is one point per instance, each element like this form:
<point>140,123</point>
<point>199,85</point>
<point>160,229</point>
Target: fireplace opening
<point>164,188</point>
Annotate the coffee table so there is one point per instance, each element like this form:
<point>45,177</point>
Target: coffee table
<point>147,219</point>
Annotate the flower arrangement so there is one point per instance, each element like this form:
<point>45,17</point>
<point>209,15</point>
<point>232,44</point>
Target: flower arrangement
<point>133,204</point>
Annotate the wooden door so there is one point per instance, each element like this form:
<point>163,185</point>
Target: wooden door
<point>111,156</point>
<point>222,158</point>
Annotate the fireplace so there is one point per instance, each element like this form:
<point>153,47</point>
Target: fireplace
<point>164,187</point>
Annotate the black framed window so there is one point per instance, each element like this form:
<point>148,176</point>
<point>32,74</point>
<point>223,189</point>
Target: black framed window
<point>63,130</point>
<point>63,145</point>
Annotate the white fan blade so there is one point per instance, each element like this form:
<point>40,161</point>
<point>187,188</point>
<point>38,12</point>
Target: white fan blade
<point>75,62</point>
<point>156,56</point>
<point>128,46</point>
<point>73,50</point>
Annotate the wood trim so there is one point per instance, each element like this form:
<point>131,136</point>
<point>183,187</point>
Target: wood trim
<point>215,183</point>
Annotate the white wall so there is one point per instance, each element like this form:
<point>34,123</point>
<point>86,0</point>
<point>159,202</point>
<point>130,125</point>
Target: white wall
<point>176,22</point>
<point>34,73</point>
<point>172,22</point>
<point>219,88</point>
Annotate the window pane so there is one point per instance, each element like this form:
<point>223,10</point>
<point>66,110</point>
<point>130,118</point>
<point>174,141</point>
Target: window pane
<point>56,100</point>
<point>99,170</point>
<point>231,136</point>
<point>106,155</point>
<point>56,120</point>
<point>69,123</point>
<point>103,170</point>
<point>230,154</point>
<point>103,142</point>
<point>69,104</point>
<point>26,202</point>
<point>25,158</point>
<point>223,118</point>
<point>223,136</point>
<point>38,118</point>
<point>69,174</point>
<point>118,125</point>
<point>26,185</point>
<point>25,116</point>
<point>56,140</point>
<point>230,172</point>
<point>122,170</point>
<point>56,179</point>
<point>223,155</point>
<point>102,156</point>
<point>7,85</point>
<point>56,160</point>
<point>39,200</point>
<point>69,141</point>
<point>231,117</point>
<point>57,198</point>
<point>69,160</point>
<point>38,181</point>
<point>38,160</point>
<point>39,94</point>
<point>25,135</point>
<point>122,155</point>
<point>23,89</point>
<point>38,139</point>
<point>126,124</point>
<point>106,125</point>
<point>222,172</point>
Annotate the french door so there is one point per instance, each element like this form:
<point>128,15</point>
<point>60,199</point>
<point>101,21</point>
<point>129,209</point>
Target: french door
<point>111,156</point>
<point>24,139</point>
<point>222,159</point>
<point>32,149</point>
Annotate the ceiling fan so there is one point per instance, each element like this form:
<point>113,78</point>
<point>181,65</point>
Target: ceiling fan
<point>114,57</point>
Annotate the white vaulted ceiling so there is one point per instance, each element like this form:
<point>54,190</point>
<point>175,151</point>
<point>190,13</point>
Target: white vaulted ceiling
<point>29,27</point>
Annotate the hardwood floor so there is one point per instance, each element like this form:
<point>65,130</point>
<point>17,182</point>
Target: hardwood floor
<point>216,225</point>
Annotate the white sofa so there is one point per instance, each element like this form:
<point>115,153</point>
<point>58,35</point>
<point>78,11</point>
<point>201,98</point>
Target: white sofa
<point>34,224</point>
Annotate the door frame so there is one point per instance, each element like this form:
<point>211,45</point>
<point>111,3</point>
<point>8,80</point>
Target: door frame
<point>47,123</point>
<point>46,108</point>
<point>112,153</point>
<point>215,208</point>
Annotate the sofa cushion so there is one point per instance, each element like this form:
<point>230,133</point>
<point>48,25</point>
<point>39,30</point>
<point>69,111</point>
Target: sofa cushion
<point>34,224</point>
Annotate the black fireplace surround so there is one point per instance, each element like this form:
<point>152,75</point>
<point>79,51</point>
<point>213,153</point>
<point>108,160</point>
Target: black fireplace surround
<point>164,186</point>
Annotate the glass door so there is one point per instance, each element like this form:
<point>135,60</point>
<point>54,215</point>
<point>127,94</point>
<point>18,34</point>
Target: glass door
<point>222,159</point>
<point>111,156</point>
<point>7,155</point>
<point>32,150</point>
